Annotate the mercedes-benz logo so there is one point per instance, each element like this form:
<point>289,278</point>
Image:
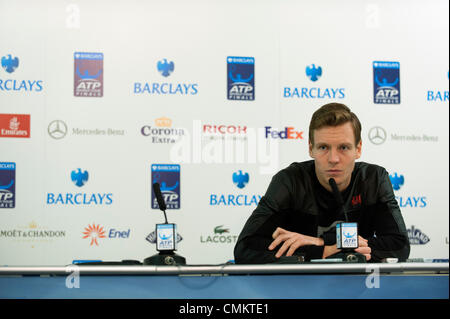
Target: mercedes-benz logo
<point>377,135</point>
<point>57,129</point>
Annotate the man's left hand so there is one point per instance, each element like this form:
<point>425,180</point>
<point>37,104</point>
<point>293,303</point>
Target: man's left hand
<point>292,241</point>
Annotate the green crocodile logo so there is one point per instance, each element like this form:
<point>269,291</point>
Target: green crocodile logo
<point>220,230</point>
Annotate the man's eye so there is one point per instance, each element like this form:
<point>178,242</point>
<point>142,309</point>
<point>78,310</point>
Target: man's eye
<point>322,148</point>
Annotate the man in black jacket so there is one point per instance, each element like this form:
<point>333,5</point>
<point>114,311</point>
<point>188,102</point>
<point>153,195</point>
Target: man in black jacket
<point>298,213</point>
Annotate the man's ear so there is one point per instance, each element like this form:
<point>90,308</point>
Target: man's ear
<point>358,149</point>
<point>310,146</point>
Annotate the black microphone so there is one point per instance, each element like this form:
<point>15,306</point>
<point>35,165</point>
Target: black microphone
<point>165,236</point>
<point>346,233</point>
<point>160,199</point>
<point>338,196</point>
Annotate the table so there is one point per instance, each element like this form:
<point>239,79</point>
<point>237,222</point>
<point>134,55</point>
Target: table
<point>284,281</point>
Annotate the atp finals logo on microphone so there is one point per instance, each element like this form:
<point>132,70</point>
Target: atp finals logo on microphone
<point>386,82</point>
<point>88,74</point>
<point>240,78</point>
<point>168,177</point>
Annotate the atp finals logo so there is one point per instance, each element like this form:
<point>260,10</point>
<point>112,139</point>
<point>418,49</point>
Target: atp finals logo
<point>240,78</point>
<point>386,82</point>
<point>7,185</point>
<point>168,176</point>
<point>88,74</point>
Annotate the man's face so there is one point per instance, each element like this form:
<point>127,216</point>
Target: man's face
<point>334,152</point>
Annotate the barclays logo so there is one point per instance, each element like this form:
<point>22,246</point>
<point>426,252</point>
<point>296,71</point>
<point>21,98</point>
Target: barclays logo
<point>397,182</point>
<point>79,178</point>
<point>240,180</point>
<point>314,73</point>
<point>438,95</point>
<point>10,64</point>
<point>165,68</point>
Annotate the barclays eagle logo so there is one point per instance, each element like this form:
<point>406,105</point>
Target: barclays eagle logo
<point>79,178</point>
<point>240,179</point>
<point>397,181</point>
<point>165,68</point>
<point>10,64</point>
<point>313,73</point>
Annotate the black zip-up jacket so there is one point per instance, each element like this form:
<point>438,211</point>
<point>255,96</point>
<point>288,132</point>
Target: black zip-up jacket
<point>296,201</point>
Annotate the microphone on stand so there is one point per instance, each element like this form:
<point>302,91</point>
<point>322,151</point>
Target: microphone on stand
<point>166,238</point>
<point>346,232</point>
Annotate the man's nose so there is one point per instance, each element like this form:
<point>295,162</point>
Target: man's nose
<point>333,156</point>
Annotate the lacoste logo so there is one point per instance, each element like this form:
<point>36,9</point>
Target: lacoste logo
<point>220,230</point>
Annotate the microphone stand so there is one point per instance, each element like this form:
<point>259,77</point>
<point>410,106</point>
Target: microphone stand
<point>164,257</point>
<point>346,254</point>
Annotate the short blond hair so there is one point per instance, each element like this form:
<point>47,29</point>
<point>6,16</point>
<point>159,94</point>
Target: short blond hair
<point>334,114</point>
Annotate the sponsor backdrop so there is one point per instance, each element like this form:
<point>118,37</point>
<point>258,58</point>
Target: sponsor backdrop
<point>100,99</point>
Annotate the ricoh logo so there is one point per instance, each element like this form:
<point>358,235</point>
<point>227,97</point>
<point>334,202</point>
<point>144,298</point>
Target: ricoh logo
<point>417,201</point>
<point>10,65</point>
<point>224,131</point>
<point>313,73</point>
<point>79,177</point>
<point>165,68</point>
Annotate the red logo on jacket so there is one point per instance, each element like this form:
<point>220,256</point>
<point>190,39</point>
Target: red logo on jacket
<point>356,200</point>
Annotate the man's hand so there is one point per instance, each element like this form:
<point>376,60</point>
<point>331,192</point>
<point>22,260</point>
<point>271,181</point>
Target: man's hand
<point>364,248</point>
<point>292,241</point>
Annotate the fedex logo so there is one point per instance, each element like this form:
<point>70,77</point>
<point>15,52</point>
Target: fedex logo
<point>288,133</point>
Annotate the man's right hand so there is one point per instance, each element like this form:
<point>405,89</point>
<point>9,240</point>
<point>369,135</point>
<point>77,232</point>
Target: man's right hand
<point>362,249</point>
